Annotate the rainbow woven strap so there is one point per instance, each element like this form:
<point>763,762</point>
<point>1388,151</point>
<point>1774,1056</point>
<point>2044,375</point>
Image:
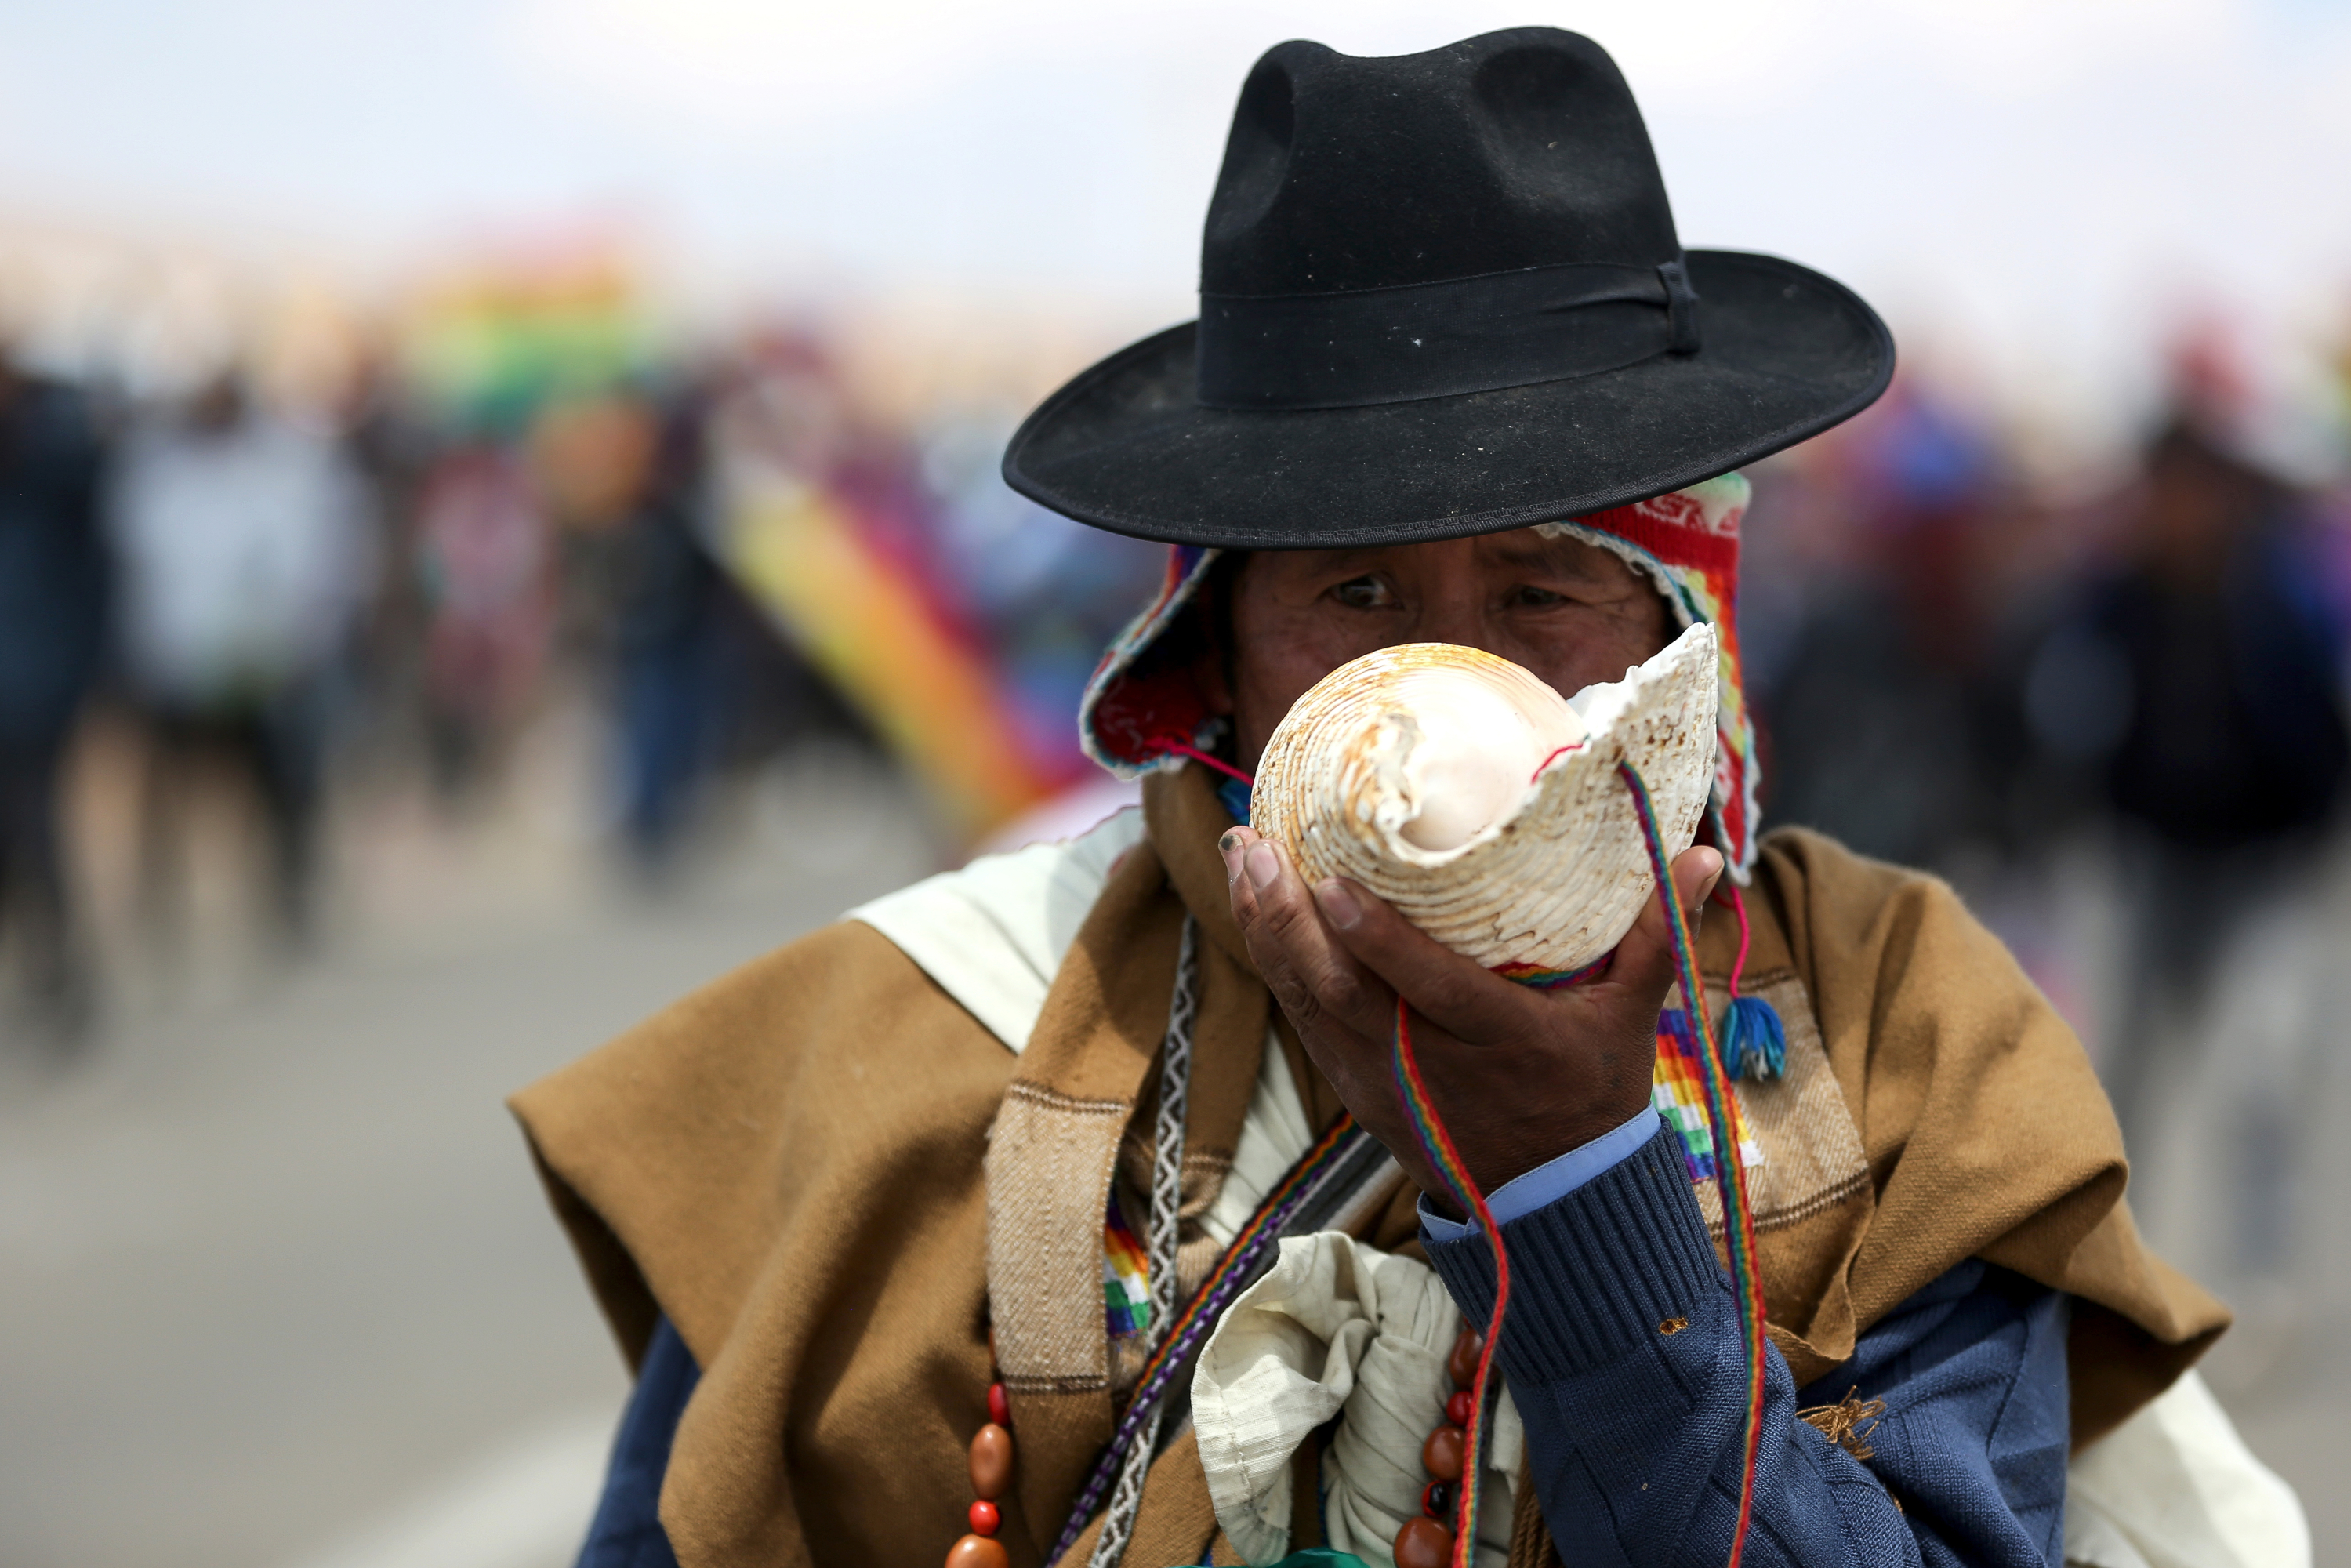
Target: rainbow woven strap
<point>1678,1092</point>
<point>1688,1077</point>
<point>1126,1276</point>
<point>1203,1311</point>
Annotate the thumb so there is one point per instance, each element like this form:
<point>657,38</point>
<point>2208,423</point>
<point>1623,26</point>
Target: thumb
<point>1644,958</point>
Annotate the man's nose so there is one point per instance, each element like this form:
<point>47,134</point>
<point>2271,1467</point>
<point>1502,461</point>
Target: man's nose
<point>1461,620</point>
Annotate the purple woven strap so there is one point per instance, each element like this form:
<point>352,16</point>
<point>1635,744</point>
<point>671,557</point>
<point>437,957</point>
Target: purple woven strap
<point>1233,1276</point>
<point>1146,1397</point>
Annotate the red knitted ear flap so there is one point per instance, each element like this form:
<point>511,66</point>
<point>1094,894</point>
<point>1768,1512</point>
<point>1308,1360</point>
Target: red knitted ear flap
<point>1134,704</point>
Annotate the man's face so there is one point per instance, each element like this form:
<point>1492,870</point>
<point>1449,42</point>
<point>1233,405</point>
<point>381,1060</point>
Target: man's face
<point>1570,612</point>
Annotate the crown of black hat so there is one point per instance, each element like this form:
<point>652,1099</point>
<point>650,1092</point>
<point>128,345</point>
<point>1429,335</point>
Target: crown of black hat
<point>1484,215</point>
<point>1442,294</point>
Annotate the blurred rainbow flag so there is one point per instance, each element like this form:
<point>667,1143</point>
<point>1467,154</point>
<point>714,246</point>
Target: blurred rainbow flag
<point>873,627</point>
<point>492,340</point>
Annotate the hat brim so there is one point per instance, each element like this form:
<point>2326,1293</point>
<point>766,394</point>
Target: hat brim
<point>1787,353</point>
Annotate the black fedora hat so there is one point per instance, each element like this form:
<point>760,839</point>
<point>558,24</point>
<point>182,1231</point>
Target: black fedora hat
<point>1441,294</point>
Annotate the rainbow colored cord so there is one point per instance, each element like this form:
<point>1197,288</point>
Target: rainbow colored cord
<point>1730,1168</point>
<point>1437,1144</point>
<point>1544,979</point>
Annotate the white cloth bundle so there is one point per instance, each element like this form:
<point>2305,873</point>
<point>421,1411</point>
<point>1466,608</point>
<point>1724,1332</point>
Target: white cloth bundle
<point>1338,1325</point>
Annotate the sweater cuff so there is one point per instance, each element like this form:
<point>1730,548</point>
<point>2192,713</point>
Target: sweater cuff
<point>1549,1182</point>
<point>1594,1272</point>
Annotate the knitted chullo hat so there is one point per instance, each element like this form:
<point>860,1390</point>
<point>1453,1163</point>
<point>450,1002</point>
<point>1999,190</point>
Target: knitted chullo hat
<point>1144,699</point>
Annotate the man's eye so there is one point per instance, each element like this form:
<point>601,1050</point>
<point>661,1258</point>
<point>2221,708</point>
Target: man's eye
<point>1363,593</point>
<point>1536,598</point>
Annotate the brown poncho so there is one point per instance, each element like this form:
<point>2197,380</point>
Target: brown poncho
<point>789,1164</point>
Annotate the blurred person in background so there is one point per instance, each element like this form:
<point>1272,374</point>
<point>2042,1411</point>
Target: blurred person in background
<point>2202,676</point>
<point>1878,694</point>
<point>246,556</point>
<point>484,573</point>
<point>54,589</point>
<point>670,674</point>
<point>646,608</point>
<point>388,441</point>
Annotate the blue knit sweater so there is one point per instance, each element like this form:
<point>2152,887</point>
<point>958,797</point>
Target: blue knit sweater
<point>1635,1434</point>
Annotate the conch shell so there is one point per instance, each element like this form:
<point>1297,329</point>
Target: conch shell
<point>1481,804</point>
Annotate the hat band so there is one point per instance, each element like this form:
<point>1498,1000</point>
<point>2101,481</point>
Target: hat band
<point>1439,340</point>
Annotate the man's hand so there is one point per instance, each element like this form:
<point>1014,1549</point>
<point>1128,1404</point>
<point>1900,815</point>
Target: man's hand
<point>1519,1075</point>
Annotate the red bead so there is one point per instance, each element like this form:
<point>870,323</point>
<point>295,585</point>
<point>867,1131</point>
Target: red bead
<point>1423,1544</point>
<point>1463,1363</point>
<point>984,1518</point>
<point>977,1551</point>
<point>1460,1407</point>
<point>991,1461</point>
<point>999,1407</point>
<point>1437,1501</point>
<point>1441,1455</point>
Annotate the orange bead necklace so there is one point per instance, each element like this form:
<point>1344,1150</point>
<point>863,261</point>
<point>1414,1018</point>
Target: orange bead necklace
<point>991,1475</point>
<point>1427,1539</point>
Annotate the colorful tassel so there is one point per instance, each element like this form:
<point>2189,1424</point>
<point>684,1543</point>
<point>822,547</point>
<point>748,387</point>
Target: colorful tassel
<point>1754,1043</point>
<point>1753,1039</point>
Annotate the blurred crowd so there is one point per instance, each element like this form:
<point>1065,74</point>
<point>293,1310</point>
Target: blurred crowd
<point>2131,680</point>
<point>724,554</point>
<point>2132,672</point>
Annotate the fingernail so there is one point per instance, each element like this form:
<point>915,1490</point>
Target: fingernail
<point>1231,841</point>
<point>1230,847</point>
<point>1263,865</point>
<point>1706,883</point>
<point>1338,903</point>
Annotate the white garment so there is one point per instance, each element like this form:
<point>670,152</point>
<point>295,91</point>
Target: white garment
<point>2175,1486</point>
<point>1339,1323</point>
<point>244,555</point>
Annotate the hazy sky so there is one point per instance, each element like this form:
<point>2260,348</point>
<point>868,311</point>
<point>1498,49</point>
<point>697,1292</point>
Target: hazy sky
<point>2033,175</point>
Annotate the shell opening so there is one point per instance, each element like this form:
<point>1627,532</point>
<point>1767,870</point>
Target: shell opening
<point>1472,752</point>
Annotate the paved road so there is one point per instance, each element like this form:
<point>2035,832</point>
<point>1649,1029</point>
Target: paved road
<point>279,1285</point>
<point>280,1290</point>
